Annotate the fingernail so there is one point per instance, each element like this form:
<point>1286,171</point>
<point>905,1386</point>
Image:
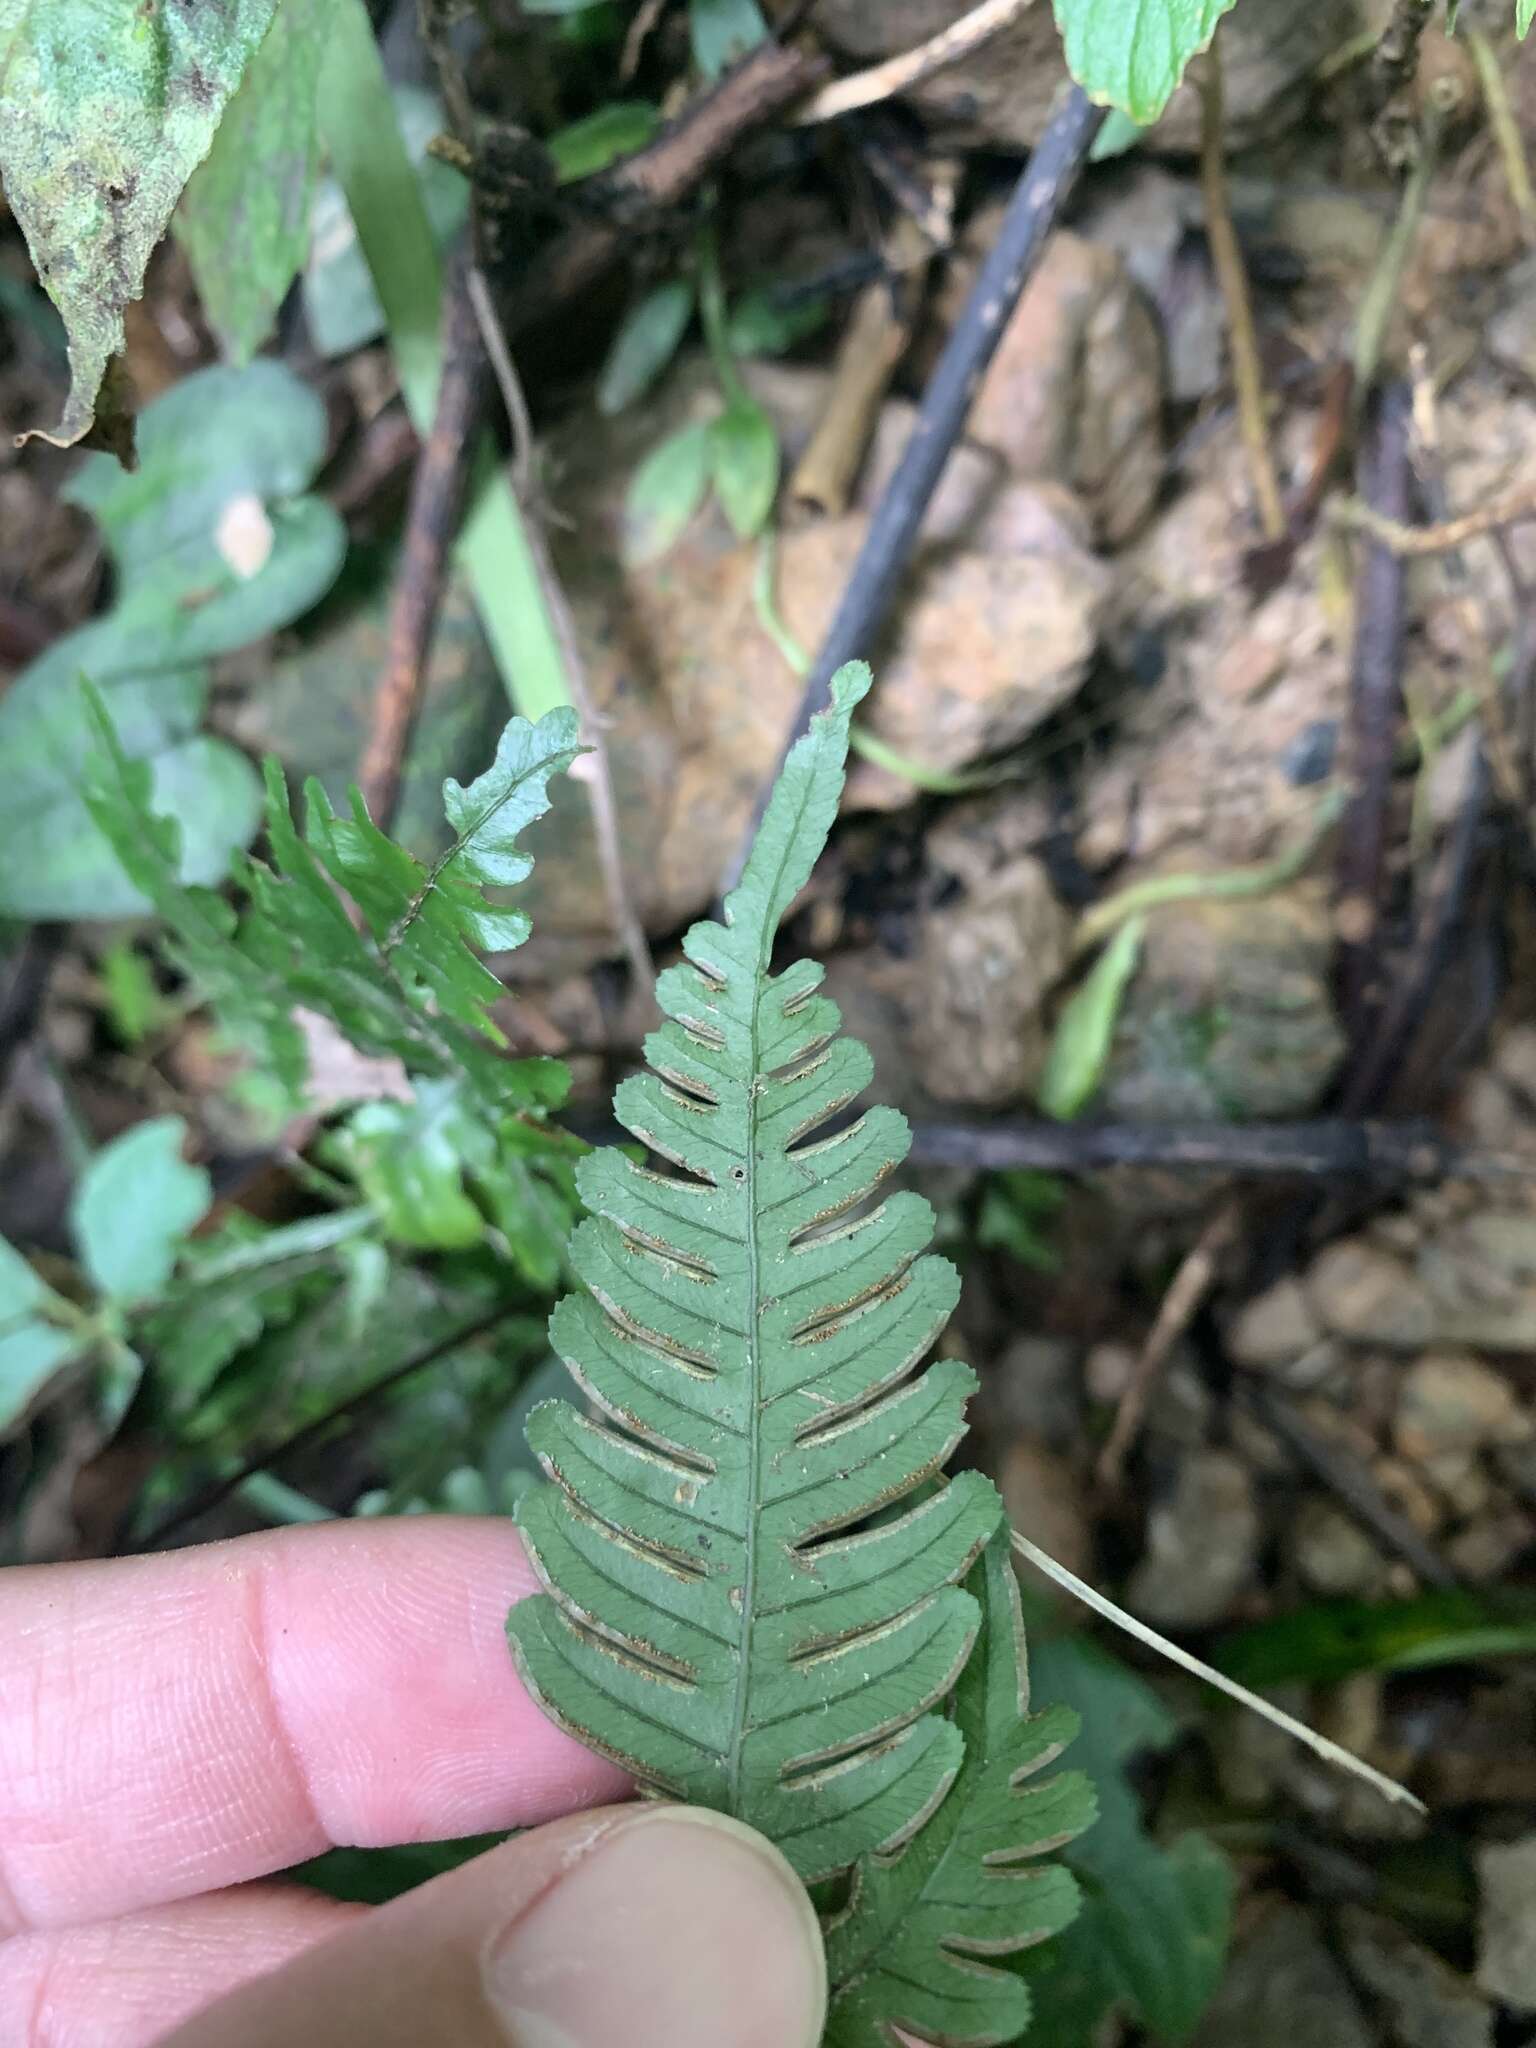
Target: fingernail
<point>677,1929</point>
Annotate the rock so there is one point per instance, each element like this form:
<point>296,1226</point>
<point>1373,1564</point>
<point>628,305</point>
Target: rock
<point>1506,1933</point>
<point>1275,1329</point>
<point>1450,1401</point>
<point>1426,2003</point>
<point>1284,1988</point>
<point>1511,333</point>
<point>1483,1553</point>
<point>1202,1545</point>
<point>986,964</point>
<point>1230,1014</point>
<point>1075,392</point>
<point>1036,1389</point>
<point>1332,1552</point>
<point>1002,95</point>
<point>1045,1499</point>
<point>1370,1297</point>
<point>1482,1275</point>
<point>1514,1058</point>
<point>999,626</point>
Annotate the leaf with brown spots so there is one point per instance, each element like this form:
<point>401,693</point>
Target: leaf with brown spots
<point>106,109</point>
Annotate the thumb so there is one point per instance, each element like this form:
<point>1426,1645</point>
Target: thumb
<point>655,1926</point>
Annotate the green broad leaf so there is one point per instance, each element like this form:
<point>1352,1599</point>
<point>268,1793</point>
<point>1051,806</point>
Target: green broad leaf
<point>1130,54</point>
<point>1331,1640</point>
<point>914,1947</point>
<point>244,217</point>
<point>410,1160</point>
<point>648,338</point>
<point>1152,1936</point>
<point>744,460</point>
<point>601,138</point>
<point>32,1348</point>
<point>232,1284</point>
<point>1086,1031</point>
<point>665,494</point>
<point>105,112</point>
<point>722,1614</point>
<point>213,543</point>
<point>1525,14</point>
<point>760,325</point>
<point>409,985</point>
<point>137,1203</point>
<point>723,32</point>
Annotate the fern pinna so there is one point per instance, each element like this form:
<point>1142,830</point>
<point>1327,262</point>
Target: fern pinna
<point>753,1566</point>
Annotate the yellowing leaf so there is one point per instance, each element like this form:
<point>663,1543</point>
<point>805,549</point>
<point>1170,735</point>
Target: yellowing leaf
<point>105,112</point>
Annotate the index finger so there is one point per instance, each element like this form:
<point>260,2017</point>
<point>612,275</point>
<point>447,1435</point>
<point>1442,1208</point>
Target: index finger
<point>174,1723</point>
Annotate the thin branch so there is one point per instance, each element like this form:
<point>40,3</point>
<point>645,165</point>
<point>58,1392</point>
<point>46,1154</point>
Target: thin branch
<point>437,497</point>
<point>1332,1149</point>
<point>1232,276</point>
<point>899,74</point>
<point>1330,1752</point>
<point>1376,703</point>
<point>1509,509</point>
<point>594,768</point>
<point>1505,124</point>
<point>1180,1305</point>
<point>641,188</point>
<point>1032,213</point>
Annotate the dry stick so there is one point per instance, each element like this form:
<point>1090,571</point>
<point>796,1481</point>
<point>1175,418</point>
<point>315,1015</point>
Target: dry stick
<point>662,175</point>
<point>899,74</point>
<point>1232,276</point>
<point>1331,1752</point>
<point>598,776</point>
<point>1510,509</point>
<point>872,346</point>
<point>219,1491</point>
<point>437,495</point>
<point>1032,212</point>
<point>1375,709</point>
<point>1180,1305</point>
<point>1329,1148</point>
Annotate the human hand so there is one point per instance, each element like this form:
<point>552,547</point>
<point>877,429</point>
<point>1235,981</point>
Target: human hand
<point>174,1727</point>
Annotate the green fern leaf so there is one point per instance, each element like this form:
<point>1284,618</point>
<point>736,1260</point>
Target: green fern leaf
<point>409,985</point>
<point>909,1949</point>
<point>752,1595</point>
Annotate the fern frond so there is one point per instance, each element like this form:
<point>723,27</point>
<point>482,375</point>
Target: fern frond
<point>409,985</point>
<point>752,1595</point>
<point>910,1949</point>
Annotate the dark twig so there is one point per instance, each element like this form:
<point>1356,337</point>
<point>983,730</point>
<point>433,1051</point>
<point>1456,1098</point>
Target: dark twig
<point>1329,1149</point>
<point>1441,924</point>
<point>1376,702</point>
<point>1038,199</point>
<point>1395,59</point>
<point>640,188</point>
<point>215,1494</point>
<point>1347,1479</point>
<point>437,495</point>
